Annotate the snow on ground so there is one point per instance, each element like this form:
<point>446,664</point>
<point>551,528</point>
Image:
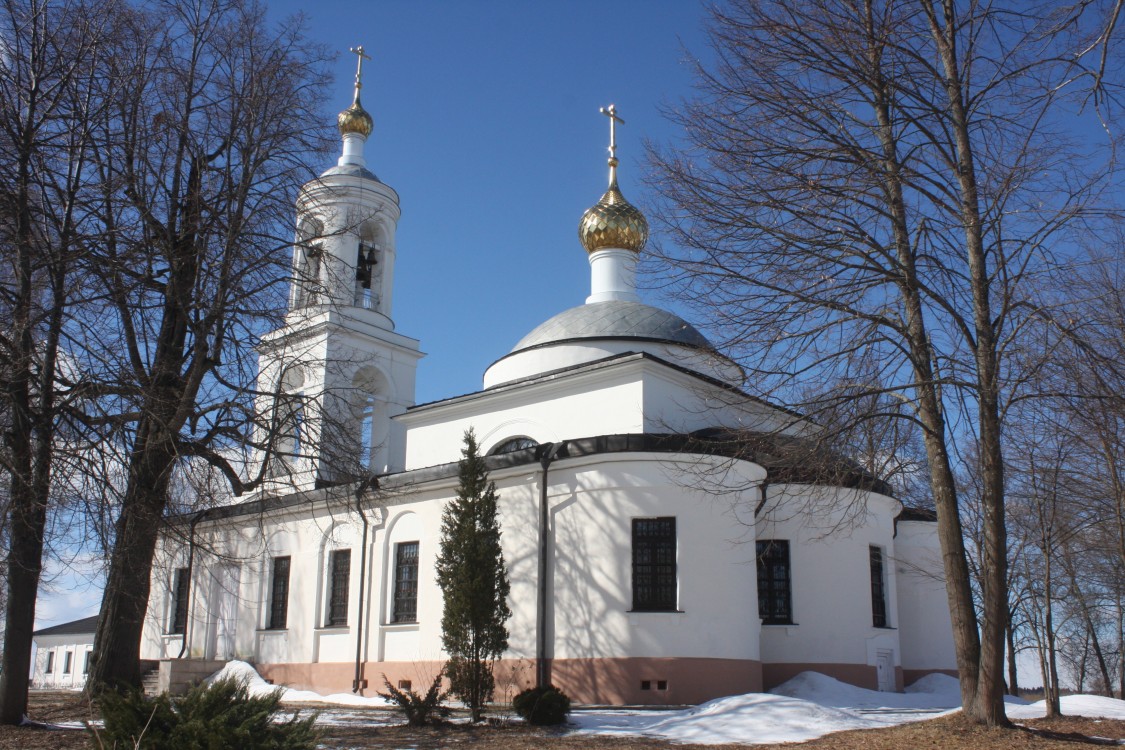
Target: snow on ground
<point>255,685</point>
<point>754,717</point>
<point>806,707</point>
<point>1094,706</point>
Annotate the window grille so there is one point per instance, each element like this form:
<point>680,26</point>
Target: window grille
<point>775,600</point>
<point>406,583</point>
<point>340,564</point>
<point>180,603</point>
<point>654,564</point>
<point>878,590</point>
<point>279,594</point>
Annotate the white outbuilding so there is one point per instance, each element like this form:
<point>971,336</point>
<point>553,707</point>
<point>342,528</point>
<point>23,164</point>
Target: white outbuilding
<point>669,537</point>
<point>62,654</point>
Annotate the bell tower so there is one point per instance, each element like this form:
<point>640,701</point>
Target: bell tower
<point>334,374</point>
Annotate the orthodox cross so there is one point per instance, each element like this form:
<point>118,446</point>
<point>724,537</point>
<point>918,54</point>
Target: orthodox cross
<point>361,55</point>
<point>611,113</point>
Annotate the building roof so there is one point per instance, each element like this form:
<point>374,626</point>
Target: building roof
<point>350,170</point>
<point>615,319</point>
<point>78,627</point>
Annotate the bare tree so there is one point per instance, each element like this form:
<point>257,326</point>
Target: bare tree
<point>215,120</point>
<point>49,94</point>
<point>883,183</point>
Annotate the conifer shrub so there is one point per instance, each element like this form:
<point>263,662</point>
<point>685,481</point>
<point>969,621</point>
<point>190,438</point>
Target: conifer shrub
<point>544,706</point>
<point>220,715</point>
<point>420,710</point>
<point>474,583</point>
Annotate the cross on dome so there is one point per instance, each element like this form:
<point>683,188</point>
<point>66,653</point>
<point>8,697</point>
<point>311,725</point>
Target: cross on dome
<point>354,120</point>
<point>361,55</point>
<point>613,222</point>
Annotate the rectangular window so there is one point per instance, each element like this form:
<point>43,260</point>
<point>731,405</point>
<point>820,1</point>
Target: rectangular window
<point>68,657</point>
<point>279,594</point>
<point>339,564</point>
<point>775,600</point>
<point>50,662</point>
<point>180,602</point>
<point>86,663</point>
<point>654,564</point>
<point>878,590</point>
<point>406,582</point>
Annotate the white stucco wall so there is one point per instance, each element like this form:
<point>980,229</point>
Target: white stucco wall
<point>628,396</point>
<point>830,532</point>
<point>927,631</point>
<point>592,500</point>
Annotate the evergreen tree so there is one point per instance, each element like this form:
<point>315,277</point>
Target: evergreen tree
<point>472,577</point>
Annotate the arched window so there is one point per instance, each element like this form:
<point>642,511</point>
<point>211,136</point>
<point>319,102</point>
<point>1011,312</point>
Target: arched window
<point>369,266</point>
<point>367,429</point>
<point>366,270</point>
<point>307,263</point>
<point>511,445</point>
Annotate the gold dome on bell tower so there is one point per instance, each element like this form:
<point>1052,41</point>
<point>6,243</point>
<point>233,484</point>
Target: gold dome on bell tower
<point>613,222</point>
<point>355,119</point>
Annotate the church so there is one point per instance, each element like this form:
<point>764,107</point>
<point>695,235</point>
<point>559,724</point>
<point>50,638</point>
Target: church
<point>667,536</point>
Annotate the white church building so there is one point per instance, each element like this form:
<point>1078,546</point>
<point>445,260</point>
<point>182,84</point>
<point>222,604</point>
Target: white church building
<point>666,537</point>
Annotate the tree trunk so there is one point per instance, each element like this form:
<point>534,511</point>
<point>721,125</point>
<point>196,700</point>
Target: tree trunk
<point>1013,671</point>
<point>117,642</point>
<point>1051,684</point>
<point>25,563</point>
<point>985,704</point>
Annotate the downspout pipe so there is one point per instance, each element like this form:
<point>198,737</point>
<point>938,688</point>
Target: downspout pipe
<point>190,564</point>
<point>763,489</point>
<point>549,452</point>
<point>362,487</point>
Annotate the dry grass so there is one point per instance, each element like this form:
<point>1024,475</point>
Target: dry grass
<point>947,733</point>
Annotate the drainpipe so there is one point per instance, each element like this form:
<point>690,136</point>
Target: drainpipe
<point>763,487</point>
<point>190,564</point>
<point>371,481</point>
<point>549,452</point>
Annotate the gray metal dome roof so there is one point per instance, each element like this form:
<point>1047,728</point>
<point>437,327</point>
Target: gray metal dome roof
<point>615,319</point>
<point>351,170</point>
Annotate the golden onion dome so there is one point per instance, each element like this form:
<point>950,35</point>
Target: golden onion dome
<point>355,119</point>
<point>613,222</point>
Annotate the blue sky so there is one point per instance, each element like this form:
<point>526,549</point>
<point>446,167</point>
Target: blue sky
<point>487,125</point>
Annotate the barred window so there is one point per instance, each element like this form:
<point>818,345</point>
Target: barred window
<point>180,602</point>
<point>279,594</point>
<point>775,599</point>
<point>654,564</point>
<point>406,583</point>
<point>340,564</point>
<point>878,590</point>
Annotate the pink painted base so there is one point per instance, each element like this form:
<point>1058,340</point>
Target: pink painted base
<point>645,681</point>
